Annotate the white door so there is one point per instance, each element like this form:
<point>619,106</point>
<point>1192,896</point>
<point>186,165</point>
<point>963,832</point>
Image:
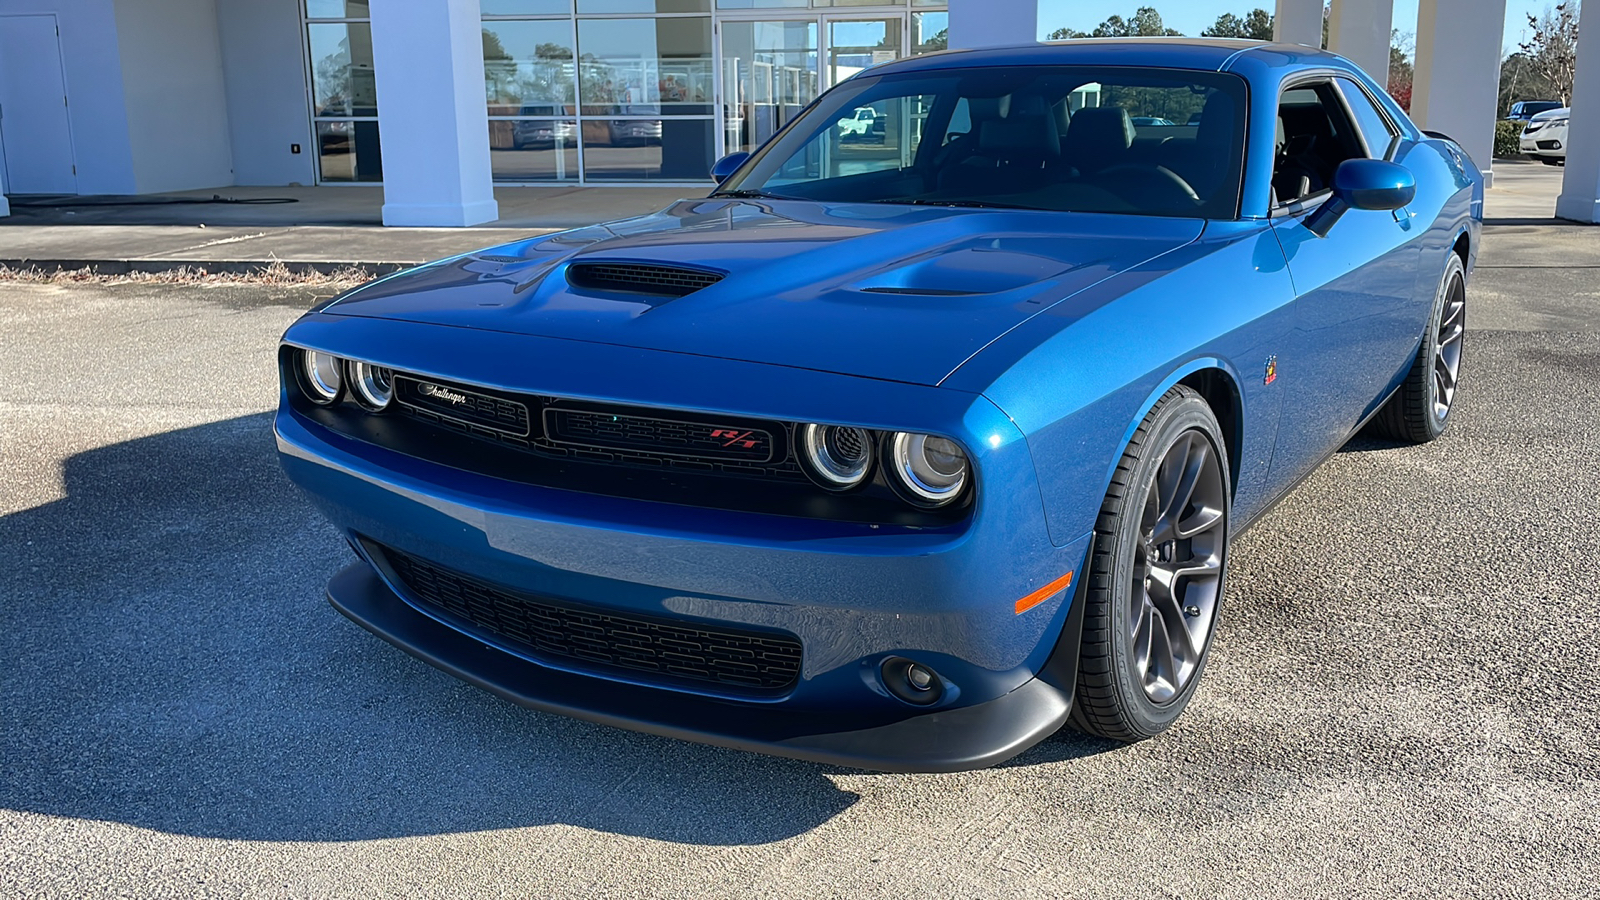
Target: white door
<point>33,108</point>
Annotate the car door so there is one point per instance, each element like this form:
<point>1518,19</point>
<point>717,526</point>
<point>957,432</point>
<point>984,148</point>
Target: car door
<point>1355,289</point>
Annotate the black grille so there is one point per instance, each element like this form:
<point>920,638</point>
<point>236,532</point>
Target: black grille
<point>742,660</point>
<point>641,278</point>
<point>586,428</point>
<point>1549,145</point>
<point>453,401</point>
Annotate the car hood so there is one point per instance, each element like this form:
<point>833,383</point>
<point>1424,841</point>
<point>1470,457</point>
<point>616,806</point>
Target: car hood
<point>903,293</point>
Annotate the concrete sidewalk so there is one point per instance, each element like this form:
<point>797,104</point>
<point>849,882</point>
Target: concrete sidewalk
<point>324,228</point>
<point>332,227</point>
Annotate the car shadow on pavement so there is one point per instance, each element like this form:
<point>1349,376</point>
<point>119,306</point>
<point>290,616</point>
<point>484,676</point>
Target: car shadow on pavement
<point>171,663</point>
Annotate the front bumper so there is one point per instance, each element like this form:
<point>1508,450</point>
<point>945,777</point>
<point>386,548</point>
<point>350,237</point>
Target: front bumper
<point>852,594</point>
<point>943,740</point>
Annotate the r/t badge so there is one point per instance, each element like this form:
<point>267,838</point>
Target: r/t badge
<point>1272,370</point>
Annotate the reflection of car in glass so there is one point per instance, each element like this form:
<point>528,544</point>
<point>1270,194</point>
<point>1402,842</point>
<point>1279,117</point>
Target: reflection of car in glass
<point>898,462</point>
<point>1545,136</point>
<point>542,132</point>
<point>858,123</point>
<point>1150,120</point>
<point>1524,110</point>
<point>634,132</point>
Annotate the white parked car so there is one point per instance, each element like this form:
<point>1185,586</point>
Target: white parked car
<point>1545,137</point>
<point>860,123</point>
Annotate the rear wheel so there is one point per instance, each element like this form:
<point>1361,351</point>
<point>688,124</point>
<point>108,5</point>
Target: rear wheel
<point>1155,580</point>
<point>1419,409</point>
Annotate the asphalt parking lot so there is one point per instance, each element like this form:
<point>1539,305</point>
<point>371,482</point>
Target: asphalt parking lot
<point>1401,702</point>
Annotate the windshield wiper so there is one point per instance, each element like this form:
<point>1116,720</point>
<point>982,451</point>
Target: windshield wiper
<point>745,194</point>
<point>965,204</point>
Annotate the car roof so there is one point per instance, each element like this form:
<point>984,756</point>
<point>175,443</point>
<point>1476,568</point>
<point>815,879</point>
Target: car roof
<point>1204,54</point>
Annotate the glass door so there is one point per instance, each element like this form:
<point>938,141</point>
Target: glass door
<point>856,43</point>
<point>769,73</point>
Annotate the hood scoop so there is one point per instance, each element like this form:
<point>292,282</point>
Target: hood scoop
<point>640,278</point>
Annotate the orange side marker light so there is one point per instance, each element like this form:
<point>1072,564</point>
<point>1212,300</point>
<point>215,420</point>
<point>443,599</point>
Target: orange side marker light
<point>1044,593</point>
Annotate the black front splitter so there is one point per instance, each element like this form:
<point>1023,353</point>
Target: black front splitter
<point>951,740</point>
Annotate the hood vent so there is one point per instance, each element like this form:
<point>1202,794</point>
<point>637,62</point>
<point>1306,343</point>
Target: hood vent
<point>640,278</point>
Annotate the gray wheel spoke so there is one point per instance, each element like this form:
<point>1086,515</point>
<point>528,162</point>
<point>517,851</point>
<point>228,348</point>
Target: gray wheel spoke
<point>1178,566</point>
<point>1203,519</point>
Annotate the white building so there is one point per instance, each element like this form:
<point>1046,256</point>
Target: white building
<point>442,99</point>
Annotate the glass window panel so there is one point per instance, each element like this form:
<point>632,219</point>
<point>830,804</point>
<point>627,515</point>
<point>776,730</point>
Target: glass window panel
<point>929,32</point>
<point>341,69</point>
<point>645,66</point>
<point>769,75</point>
<point>348,151</point>
<point>858,2</point>
<point>533,149</point>
<point>662,150</point>
<point>760,4</point>
<point>930,2</point>
<point>337,9</point>
<point>586,7</point>
<point>1372,124</point>
<point>875,137</point>
<point>854,45</point>
<point>525,7</point>
<point>528,63</point>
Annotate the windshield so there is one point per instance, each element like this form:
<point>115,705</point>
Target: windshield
<point>1065,138</point>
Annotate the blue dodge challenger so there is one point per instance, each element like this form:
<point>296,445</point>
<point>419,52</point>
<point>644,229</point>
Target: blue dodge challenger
<point>898,454</point>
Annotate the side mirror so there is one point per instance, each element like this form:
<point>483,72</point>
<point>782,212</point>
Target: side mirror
<point>728,165</point>
<point>1363,184</point>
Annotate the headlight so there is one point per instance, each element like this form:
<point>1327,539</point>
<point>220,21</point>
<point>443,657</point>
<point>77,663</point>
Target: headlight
<point>930,470</point>
<point>319,376</point>
<point>373,385</point>
<point>836,457</point>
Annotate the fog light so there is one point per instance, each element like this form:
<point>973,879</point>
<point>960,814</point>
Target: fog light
<point>911,681</point>
<point>373,385</point>
<point>320,376</point>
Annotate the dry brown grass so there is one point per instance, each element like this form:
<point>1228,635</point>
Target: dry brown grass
<point>274,273</point>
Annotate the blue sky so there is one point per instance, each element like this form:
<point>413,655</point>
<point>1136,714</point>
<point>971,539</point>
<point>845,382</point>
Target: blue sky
<point>1193,16</point>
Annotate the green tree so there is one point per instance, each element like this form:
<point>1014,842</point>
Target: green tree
<point>1521,80</point>
<point>1255,25</point>
<point>1067,34</point>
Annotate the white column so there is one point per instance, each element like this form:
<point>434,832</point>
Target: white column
<point>427,60</point>
<point>992,23</point>
<point>1457,85</point>
<point>1359,30</point>
<point>1580,185</point>
<point>1298,22</point>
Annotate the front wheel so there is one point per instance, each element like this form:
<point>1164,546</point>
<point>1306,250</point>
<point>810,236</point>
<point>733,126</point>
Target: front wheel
<point>1155,580</point>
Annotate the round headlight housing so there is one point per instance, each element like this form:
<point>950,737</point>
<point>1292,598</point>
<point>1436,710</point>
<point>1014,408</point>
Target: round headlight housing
<point>372,385</point>
<point>321,376</point>
<point>929,470</point>
<point>837,457</point>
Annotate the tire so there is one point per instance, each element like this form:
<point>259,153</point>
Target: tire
<point>1420,409</point>
<point>1127,689</point>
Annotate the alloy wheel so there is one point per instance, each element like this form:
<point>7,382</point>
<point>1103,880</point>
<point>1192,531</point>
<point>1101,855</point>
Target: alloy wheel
<point>1447,354</point>
<point>1177,566</point>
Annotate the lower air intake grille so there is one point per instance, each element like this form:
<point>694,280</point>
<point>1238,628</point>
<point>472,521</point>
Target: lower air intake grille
<point>640,278</point>
<point>749,661</point>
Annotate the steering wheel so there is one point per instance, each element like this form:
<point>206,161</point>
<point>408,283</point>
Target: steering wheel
<point>1158,183</point>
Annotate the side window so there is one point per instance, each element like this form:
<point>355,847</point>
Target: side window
<point>1314,137</point>
<point>1374,127</point>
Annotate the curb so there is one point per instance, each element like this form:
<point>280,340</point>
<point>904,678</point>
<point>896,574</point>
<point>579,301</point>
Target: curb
<point>205,266</point>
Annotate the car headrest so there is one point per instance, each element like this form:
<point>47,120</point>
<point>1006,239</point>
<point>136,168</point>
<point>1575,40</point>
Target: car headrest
<point>1098,136</point>
<point>1217,121</point>
<point>1027,130</point>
